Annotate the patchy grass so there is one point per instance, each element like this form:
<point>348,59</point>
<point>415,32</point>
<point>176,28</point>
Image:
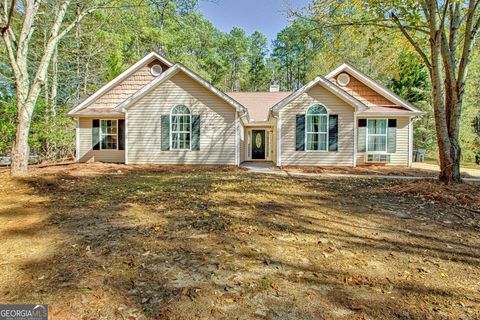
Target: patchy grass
<point>117,241</point>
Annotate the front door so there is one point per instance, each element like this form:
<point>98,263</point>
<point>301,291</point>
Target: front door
<point>258,144</point>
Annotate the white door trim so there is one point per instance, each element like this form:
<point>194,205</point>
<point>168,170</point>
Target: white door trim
<point>268,143</point>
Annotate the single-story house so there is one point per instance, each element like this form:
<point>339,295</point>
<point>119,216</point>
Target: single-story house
<point>163,113</point>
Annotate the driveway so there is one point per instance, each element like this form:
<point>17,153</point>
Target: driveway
<point>474,173</point>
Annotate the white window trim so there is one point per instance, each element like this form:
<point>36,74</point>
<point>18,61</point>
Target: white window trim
<point>378,134</point>
<point>171,129</point>
<point>327,132</point>
<point>107,134</point>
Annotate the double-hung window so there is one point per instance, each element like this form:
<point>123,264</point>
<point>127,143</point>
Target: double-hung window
<point>109,134</point>
<point>317,128</point>
<point>377,135</point>
<point>181,128</point>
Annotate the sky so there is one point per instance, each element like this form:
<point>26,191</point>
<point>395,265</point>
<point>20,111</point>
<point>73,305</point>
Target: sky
<point>266,16</point>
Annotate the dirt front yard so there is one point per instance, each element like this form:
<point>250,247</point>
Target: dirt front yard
<point>120,242</point>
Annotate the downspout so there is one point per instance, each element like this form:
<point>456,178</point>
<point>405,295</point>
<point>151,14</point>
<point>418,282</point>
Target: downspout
<point>278,139</point>
<point>237,142</point>
<point>77,141</point>
<point>126,137</point>
<point>410,141</point>
<point>355,143</point>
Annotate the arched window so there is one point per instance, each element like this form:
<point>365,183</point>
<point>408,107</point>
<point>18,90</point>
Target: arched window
<point>181,128</point>
<point>317,128</point>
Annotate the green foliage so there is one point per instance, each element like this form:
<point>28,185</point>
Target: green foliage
<point>52,137</point>
<point>469,136</point>
<point>8,117</point>
<point>294,49</point>
<point>412,83</point>
<point>258,72</point>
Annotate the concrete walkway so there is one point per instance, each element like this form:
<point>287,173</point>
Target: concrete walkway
<point>269,168</point>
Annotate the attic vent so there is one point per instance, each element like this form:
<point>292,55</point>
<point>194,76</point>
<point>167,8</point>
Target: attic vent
<point>377,158</point>
<point>343,79</point>
<point>274,88</point>
<point>156,70</point>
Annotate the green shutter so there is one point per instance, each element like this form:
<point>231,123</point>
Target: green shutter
<point>121,134</point>
<point>96,134</point>
<point>333,132</point>
<point>165,132</point>
<point>392,136</point>
<point>196,133</point>
<point>300,132</point>
<point>362,135</point>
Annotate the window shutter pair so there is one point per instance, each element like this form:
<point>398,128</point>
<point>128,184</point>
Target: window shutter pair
<point>165,132</point>
<point>332,132</point>
<point>391,135</point>
<point>96,134</point>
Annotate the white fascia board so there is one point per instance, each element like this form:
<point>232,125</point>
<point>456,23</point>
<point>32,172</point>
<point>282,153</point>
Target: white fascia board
<point>100,116</point>
<point>167,75</point>
<point>396,114</point>
<point>359,106</point>
<point>372,84</point>
<point>152,55</point>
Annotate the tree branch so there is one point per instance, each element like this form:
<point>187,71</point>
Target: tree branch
<point>412,41</point>
<point>366,23</point>
<point>471,29</point>
<point>8,17</point>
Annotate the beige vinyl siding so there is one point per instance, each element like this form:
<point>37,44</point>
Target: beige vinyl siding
<point>400,157</point>
<point>217,125</point>
<point>334,105</point>
<point>86,154</point>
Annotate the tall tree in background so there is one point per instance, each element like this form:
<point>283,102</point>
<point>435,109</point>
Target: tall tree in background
<point>294,48</point>
<point>442,33</point>
<point>236,48</point>
<point>258,51</point>
<point>17,37</point>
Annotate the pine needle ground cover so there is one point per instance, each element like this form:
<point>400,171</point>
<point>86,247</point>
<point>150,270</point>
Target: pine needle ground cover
<point>134,242</point>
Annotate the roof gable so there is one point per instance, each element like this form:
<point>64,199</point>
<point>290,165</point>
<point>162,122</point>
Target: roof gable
<point>258,104</point>
<point>329,86</point>
<point>135,71</point>
<point>169,74</point>
<point>367,90</point>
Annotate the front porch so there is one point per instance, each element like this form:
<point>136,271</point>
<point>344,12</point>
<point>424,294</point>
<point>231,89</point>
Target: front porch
<point>259,143</point>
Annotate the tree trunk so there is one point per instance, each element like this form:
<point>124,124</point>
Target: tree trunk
<point>54,86</point>
<point>20,149</point>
